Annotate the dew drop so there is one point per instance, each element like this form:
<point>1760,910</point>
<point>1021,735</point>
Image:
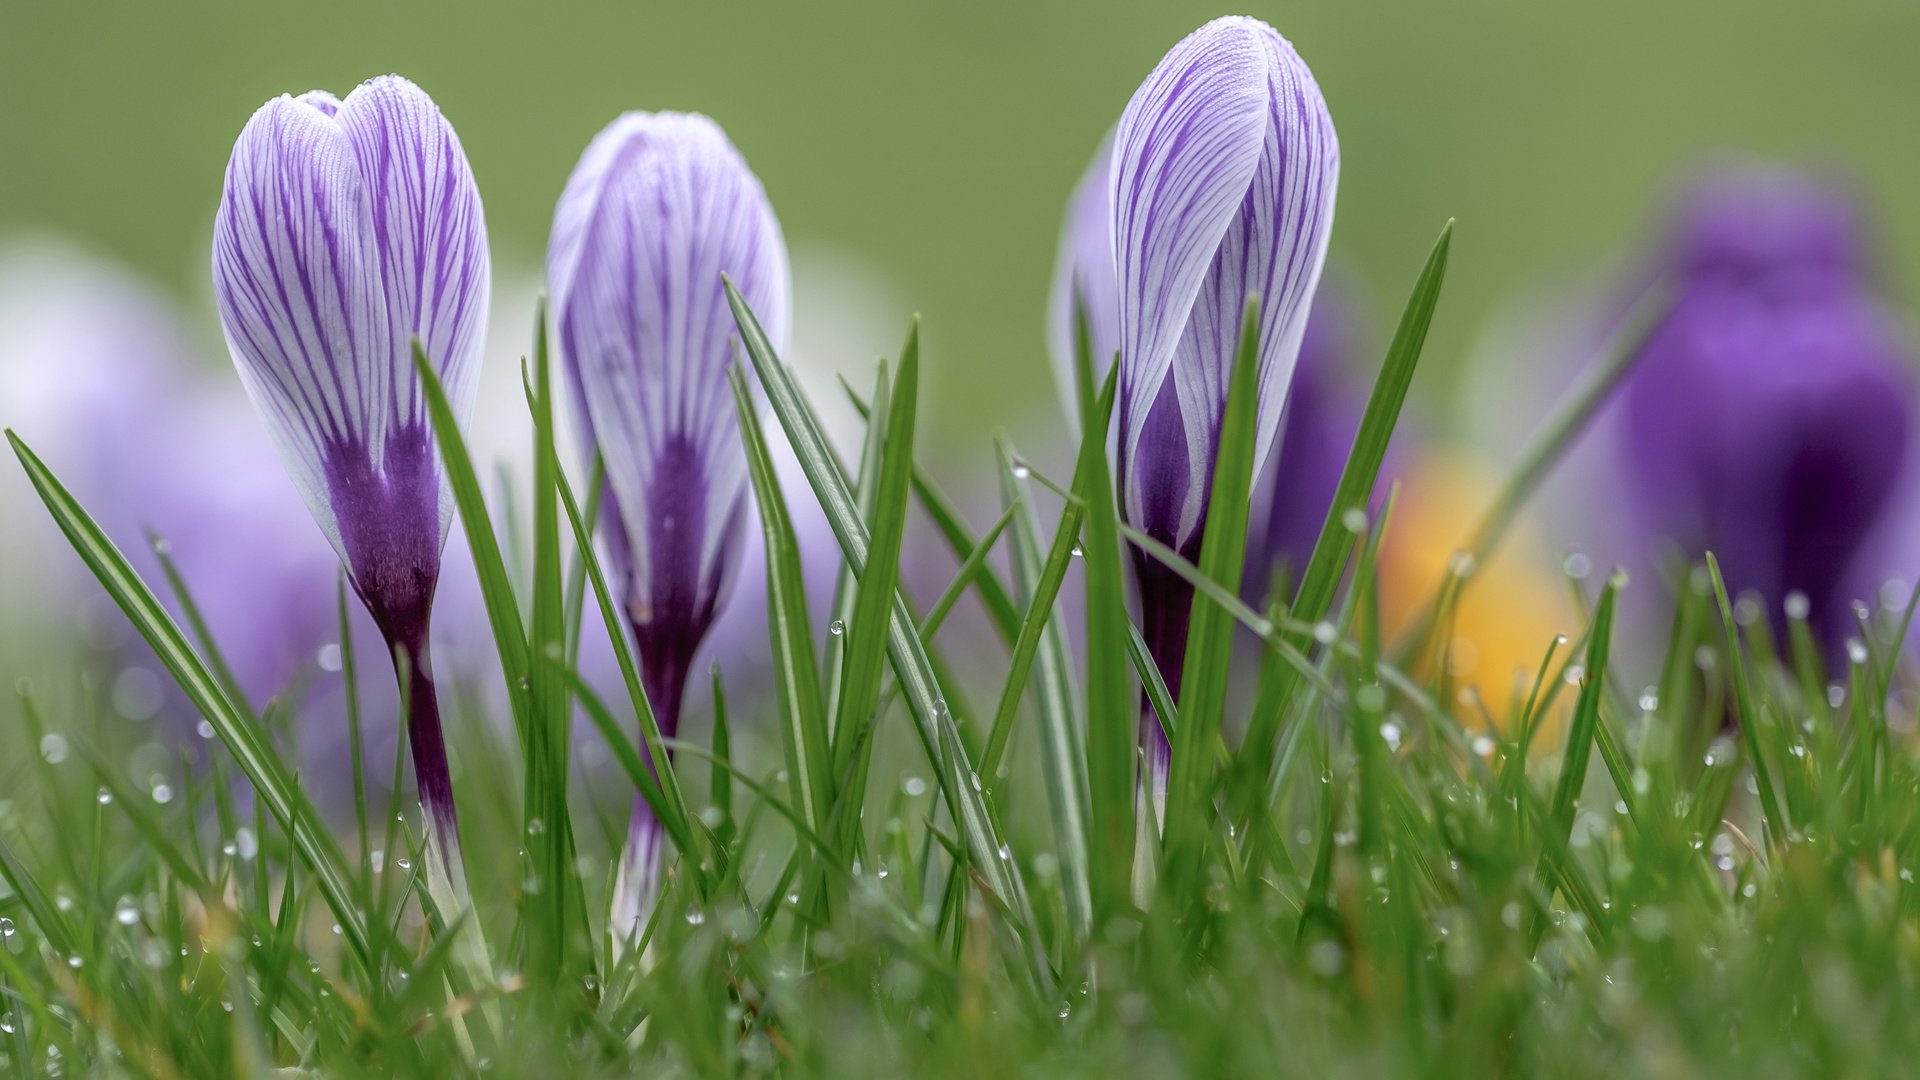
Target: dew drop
<point>1391,733</point>
<point>162,794</point>
<point>1856,650</point>
<point>1577,565</point>
<point>1797,606</point>
<point>330,657</point>
<point>837,627</point>
<point>1325,632</point>
<point>6,928</point>
<point>204,729</point>
<point>1078,551</point>
<point>1021,472</point>
<point>696,917</point>
<point>1484,746</point>
<point>104,797</point>
<point>53,747</point>
<point>245,842</point>
<point>126,914</point>
<point>536,826</point>
<point>404,864</point>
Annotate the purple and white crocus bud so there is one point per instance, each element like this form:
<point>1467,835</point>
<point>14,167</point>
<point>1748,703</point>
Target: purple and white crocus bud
<point>659,207</point>
<point>349,229</point>
<point>1221,188</point>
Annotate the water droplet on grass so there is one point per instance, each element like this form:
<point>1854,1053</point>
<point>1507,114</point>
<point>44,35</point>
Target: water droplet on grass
<point>1797,606</point>
<point>53,747</point>
<point>837,627</point>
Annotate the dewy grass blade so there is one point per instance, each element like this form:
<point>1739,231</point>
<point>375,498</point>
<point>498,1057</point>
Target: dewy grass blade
<point>1749,717</point>
<point>1062,719</point>
<point>967,575</point>
<point>1203,683</point>
<point>1580,742</point>
<point>496,588</point>
<point>1111,709</point>
<point>845,585</point>
<point>908,654</point>
<point>289,805</point>
<point>1335,545</point>
<point>953,530</point>
<point>663,795</point>
<point>546,824</point>
<point>866,631</point>
<point>802,707</point>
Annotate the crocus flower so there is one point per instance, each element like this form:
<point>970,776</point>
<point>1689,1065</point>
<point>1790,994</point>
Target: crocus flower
<point>1769,416</point>
<point>349,229</point>
<point>1220,187</point>
<point>659,207</point>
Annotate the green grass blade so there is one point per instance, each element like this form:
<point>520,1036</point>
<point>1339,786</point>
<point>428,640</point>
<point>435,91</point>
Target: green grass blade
<point>1112,711</point>
<point>270,778</point>
<point>1062,716</point>
<point>1334,547</point>
<point>496,587</point>
<point>866,631</point>
<point>912,667</point>
<point>790,627</point>
<point>1203,682</point>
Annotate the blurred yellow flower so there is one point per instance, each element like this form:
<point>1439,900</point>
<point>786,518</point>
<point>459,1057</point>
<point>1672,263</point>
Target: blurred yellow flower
<point>1510,610</point>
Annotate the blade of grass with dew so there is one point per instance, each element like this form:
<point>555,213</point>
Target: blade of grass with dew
<point>263,767</point>
<point>802,706</point>
<point>1203,680</point>
<point>546,826</point>
<point>965,576</point>
<point>1111,738</point>
<point>845,585</point>
<point>866,632</point>
<point>496,587</point>
<point>1334,546</point>
<point>1580,738</point>
<point>662,789</point>
<point>1776,824</point>
<point>907,652</point>
<point>1062,720</point>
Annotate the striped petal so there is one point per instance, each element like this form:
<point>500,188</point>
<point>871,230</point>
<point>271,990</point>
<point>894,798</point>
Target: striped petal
<point>346,229</point>
<point>658,208</point>
<point>1225,171</point>
<point>1083,275</point>
<point>430,237</point>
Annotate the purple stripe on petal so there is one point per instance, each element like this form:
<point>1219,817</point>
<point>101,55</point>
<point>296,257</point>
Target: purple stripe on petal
<point>658,208</point>
<point>1224,174</point>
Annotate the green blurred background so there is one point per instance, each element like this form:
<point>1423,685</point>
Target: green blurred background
<point>938,142</point>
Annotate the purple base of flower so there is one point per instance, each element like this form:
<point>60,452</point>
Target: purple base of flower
<point>1166,606</point>
<point>390,527</point>
<point>666,659</point>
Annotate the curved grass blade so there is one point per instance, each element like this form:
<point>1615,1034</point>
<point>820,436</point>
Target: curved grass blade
<point>1062,743</point>
<point>908,653</point>
<point>1203,683</point>
<point>790,626</point>
<point>1335,545</point>
<point>283,798</point>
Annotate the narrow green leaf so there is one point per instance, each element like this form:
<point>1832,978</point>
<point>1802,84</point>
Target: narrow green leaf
<point>1062,716</point>
<point>790,627</point>
<point>1203,681</point>
<point>287,802</point>
<point>908,654</point>
<point>1335,544</point>
<point>1112,712</point>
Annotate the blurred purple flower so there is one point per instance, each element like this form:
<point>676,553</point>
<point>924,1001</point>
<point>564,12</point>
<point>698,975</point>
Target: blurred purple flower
<point>1317,430</point>
<point>347,230</point>
<point>90,348</point>
<point>659,207</point>
<point>1220,186</point>
<point>1769,416</point>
